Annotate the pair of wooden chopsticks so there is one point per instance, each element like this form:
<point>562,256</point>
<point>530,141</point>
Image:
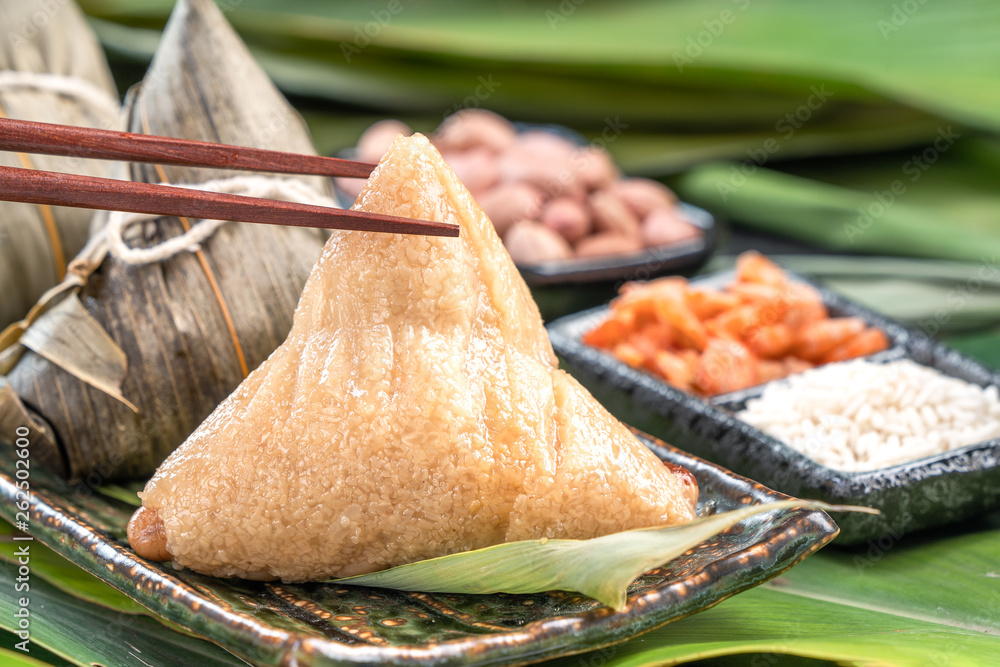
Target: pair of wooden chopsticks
<point>58,189</point>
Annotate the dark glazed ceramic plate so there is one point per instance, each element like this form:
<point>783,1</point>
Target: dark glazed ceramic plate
<point>919,494</point>
<point>321,624</point>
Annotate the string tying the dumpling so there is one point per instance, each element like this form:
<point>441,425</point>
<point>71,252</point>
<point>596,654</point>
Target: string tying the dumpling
<point>190,241</point>
<point>71,86</point>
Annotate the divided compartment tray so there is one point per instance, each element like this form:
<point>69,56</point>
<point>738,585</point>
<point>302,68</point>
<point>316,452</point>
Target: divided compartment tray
<point>327,624</point>
<point>920,494</point>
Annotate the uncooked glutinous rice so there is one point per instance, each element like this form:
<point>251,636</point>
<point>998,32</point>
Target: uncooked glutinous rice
<point>859,415</point>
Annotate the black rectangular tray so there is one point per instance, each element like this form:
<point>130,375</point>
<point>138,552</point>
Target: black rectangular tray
<point>919,494</point>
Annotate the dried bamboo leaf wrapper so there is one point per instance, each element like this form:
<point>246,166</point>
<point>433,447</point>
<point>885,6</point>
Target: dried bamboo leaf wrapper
<point>36,242</point>
<point>170,317</point>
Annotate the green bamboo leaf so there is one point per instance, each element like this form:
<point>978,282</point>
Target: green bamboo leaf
<point>18,658</point>
<point>65,625</point>
<point>949,213</point>
<point>601,568</point>
<point>838,267</point>
<point>127,493</point>
<point>642,151</point>
<point>861,49</point>
<point>841,42</point>
<point>406,86</point>
<point>912,601</point>
<point>66,576</point>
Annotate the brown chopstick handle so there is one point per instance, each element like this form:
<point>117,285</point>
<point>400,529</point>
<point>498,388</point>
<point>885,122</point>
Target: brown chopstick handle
<point>58,189</point>
<point>48,139</point>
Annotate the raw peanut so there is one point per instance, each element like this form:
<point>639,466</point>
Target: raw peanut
<point>607,243</point>
<point>577,193</point>
<point>594,167</point>
<point>476,168</point>
<point>642,195</point>
<point>662,226</point>
<point>531,243</point>
<point>147,536</point>
<point>507,203</point>
<point>567,217</point>
<point>542,142</point>
<point>612,215</point>
<point>377,139</point>
<point>474,128</point>
<point>542,159</point>
<point>573,190</point>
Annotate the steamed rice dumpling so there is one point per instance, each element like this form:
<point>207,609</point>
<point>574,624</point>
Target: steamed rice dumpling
<point>415,410</point>
<point>51,71</point>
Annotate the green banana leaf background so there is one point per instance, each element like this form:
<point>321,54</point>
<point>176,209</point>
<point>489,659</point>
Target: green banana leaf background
<point>865,130</point>
<point>857,126</point>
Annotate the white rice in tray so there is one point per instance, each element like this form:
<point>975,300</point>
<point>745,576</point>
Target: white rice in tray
<point>858,415</point>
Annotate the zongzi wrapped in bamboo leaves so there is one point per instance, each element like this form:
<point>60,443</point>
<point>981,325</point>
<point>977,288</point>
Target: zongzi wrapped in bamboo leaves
<point>48,52</point>
<point>416,409</point>
<point>191,324</point>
